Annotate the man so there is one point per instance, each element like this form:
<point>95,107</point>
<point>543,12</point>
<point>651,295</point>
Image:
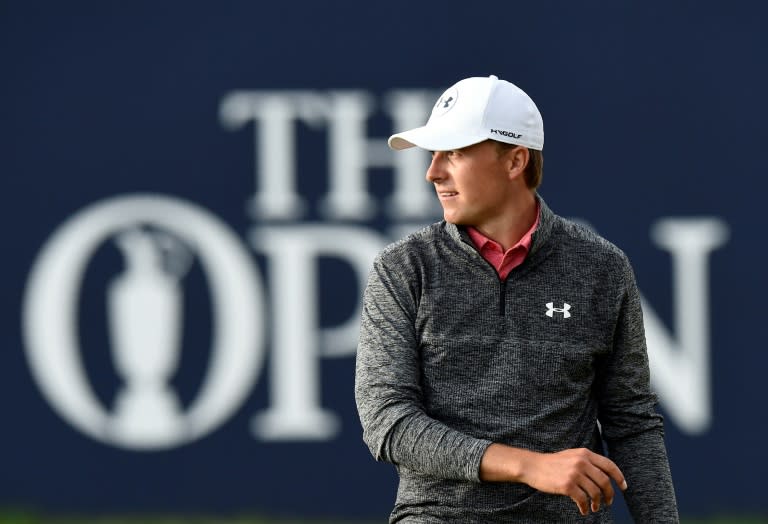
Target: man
<point>500,347</point>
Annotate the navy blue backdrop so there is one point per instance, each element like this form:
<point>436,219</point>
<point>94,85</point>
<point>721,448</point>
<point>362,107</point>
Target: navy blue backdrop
<point>187,154</point>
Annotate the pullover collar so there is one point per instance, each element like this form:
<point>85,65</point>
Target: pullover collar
<point>539,239</point>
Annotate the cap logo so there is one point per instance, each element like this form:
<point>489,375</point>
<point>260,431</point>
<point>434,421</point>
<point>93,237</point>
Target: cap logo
<point>446,102</point>
<point>505,133</point>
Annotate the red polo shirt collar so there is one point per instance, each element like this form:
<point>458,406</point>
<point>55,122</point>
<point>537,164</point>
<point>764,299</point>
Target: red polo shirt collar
<point>504,261</point>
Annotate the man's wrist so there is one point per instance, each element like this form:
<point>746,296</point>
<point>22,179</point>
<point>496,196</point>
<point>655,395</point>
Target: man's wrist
<point>501,463</point>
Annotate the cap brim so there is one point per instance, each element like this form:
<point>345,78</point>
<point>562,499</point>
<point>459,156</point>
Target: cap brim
<point>432,140</point>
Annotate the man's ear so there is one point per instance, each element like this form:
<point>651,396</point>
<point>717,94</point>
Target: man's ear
<point>517,160</point>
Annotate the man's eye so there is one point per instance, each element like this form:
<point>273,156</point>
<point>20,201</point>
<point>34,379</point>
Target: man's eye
<point>446,153</point>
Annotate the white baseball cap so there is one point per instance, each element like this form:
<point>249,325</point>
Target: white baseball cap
<point>477,109</point>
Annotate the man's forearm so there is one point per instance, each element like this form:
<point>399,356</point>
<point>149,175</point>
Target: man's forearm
<point>580,474</point>
<point>643,458</point>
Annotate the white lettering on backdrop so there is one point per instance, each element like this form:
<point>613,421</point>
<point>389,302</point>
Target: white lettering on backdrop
<point>679,358</point>
<point>144,309</point>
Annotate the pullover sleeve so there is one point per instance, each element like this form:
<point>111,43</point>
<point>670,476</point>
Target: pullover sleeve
<point>388,392</point>
<point>632,429</point>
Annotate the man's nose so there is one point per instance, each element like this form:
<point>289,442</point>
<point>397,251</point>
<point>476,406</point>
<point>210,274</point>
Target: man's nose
<point>435,172</point>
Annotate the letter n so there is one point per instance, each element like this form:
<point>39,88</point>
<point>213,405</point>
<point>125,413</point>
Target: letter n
<point>679,362</point>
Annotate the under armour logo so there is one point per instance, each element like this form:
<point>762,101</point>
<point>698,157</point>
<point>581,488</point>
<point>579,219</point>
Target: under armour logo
<point>446,102</point>
<point>564,310</point>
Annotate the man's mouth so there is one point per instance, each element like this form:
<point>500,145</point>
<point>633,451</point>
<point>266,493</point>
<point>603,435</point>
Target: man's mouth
<point>447,194</point>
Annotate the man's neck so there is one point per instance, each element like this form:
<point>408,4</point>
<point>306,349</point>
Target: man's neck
<point>510,228</point>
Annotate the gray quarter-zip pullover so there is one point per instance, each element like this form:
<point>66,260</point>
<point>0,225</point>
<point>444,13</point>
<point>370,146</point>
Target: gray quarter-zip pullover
<point>451,359</point>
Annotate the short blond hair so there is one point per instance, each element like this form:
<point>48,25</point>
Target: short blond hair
<point>534,171</point>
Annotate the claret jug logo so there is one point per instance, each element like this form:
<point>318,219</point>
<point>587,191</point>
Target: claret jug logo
<point>144,313</point>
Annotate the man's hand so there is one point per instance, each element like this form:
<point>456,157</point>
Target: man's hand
<point>580,474</point>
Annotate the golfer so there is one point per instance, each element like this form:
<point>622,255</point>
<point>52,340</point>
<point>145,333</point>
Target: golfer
<point>502,365</point>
